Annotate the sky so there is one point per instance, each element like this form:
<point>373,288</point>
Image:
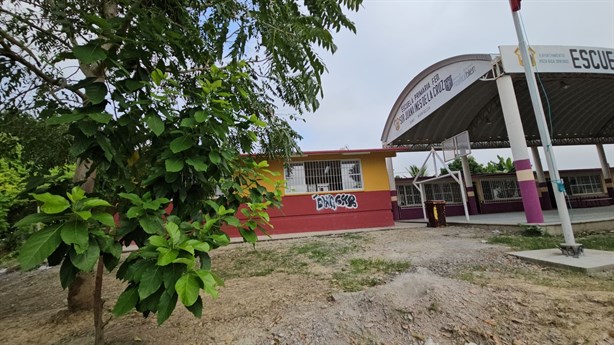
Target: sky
<point>397,39</point>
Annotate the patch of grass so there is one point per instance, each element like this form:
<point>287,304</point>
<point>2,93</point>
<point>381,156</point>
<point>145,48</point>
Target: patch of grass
<point>366,273</point>
<point>527,243</point>
<point>600,241</point>
<point>257,263</point>
<point>325,252</point>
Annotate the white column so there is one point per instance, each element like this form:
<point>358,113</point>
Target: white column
<point>518,144</point>
<point>539,170</point>
<point>605,167</point>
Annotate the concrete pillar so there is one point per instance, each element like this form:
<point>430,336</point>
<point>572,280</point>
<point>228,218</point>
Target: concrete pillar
<point>471,199</point>
<point>541,181</point>
<point>515,132</point>
<point>393,189</point>
<point>607,174</point>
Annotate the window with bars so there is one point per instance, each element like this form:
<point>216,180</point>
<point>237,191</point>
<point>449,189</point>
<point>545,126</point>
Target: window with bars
<point>500,189</point>
<point>323,176</point>
<point>408,195</point>
<point>586,184</point>
<point>448,191</point>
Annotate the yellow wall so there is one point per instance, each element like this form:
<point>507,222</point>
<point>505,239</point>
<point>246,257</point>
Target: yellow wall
<point>373,165</point>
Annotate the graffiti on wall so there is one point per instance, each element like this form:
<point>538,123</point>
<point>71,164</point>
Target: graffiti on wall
<point>332,202</point>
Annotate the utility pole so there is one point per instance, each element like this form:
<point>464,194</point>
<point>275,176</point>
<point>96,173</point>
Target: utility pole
<point>570,247</point>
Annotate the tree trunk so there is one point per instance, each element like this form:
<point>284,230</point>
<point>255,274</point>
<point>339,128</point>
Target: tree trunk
<point>98,304</point>
<point>81,289</point>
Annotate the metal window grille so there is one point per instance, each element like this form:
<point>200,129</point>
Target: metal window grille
<point>586,184</point>
<point>448,191</point>
<point>500,189</point>
<point>408,195</point>
<point>323,176</point>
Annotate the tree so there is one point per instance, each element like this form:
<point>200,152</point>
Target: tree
<point>165,100</point>
<point>414,170</point>
<point>13,173</point>
<point>504,165</point>
<point>457,165</point>
<point>43,146</point>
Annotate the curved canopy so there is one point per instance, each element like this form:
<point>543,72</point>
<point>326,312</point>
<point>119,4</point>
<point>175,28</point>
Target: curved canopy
<point>460,93</point>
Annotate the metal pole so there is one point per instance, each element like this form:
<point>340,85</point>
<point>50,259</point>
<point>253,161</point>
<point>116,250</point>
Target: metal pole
<point>557,184</point>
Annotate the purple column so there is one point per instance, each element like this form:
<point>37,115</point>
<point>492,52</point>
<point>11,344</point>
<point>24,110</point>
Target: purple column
<point>530,199</point>
<point>395,205</point>
<point>472,201</point>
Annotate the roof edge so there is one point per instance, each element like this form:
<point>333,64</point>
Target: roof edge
<point>432,68</point>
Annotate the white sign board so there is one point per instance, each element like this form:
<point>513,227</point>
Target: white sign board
<point>560,59</point>
<point>433,91</point>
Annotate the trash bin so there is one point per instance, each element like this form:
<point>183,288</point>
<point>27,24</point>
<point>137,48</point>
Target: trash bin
<point>436,213</point>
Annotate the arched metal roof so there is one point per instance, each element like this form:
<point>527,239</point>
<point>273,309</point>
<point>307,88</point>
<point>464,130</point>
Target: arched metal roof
<point>579,106</point>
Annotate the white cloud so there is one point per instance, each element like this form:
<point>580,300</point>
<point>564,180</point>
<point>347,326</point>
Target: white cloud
<point>396,40</point>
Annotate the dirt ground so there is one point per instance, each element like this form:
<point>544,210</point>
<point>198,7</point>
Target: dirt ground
<point>450,287</point>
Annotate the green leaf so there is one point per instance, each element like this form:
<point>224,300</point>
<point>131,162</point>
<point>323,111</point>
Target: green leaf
<point>167,304</point>
<point>101,117</point>
<point>85,215</point>
<point>170,275</point>
<point>86,260</point>
<point>106,146</point>
<point>58,255</point>
<point>213,204</point>
<point>89,53</point>
<point>34,218</point>
<point>157,76</point>
<point>188,122</point>
<point>133,85</point>
<point>158,241</point>
<point>65,118</point>
<point>52,204</point>
<point>174,232</point>
<point>200,116</point>
<point>96,92</point>
<point>197,307</point>
<point>87,127</point>
<point>76,194</point>
<point>68,272</point>
<point>75,232</point>
<point>200,246</point>
<point>189,262</point>
<point>198,165</point>
<point>134,212</point>
<point>95,202</point>
<point>151,224</point>
<point>150,282</point>
<point>134,199</point>
<point>215,157</point>
<point>187,288</point>
<point>155,123</point>
<point>126,301</point>
<point>221,239</point>
<point>39,246</point>
<point>249,235</point>
<point>104,218</point>
<point>232,221</point>
<point>181,144</point>
<point>152,205</point>
<point>208,282</point>
<point>173,165</point>
<point>109,261</point>
<point>257,121</point>
<point>167,256</point>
